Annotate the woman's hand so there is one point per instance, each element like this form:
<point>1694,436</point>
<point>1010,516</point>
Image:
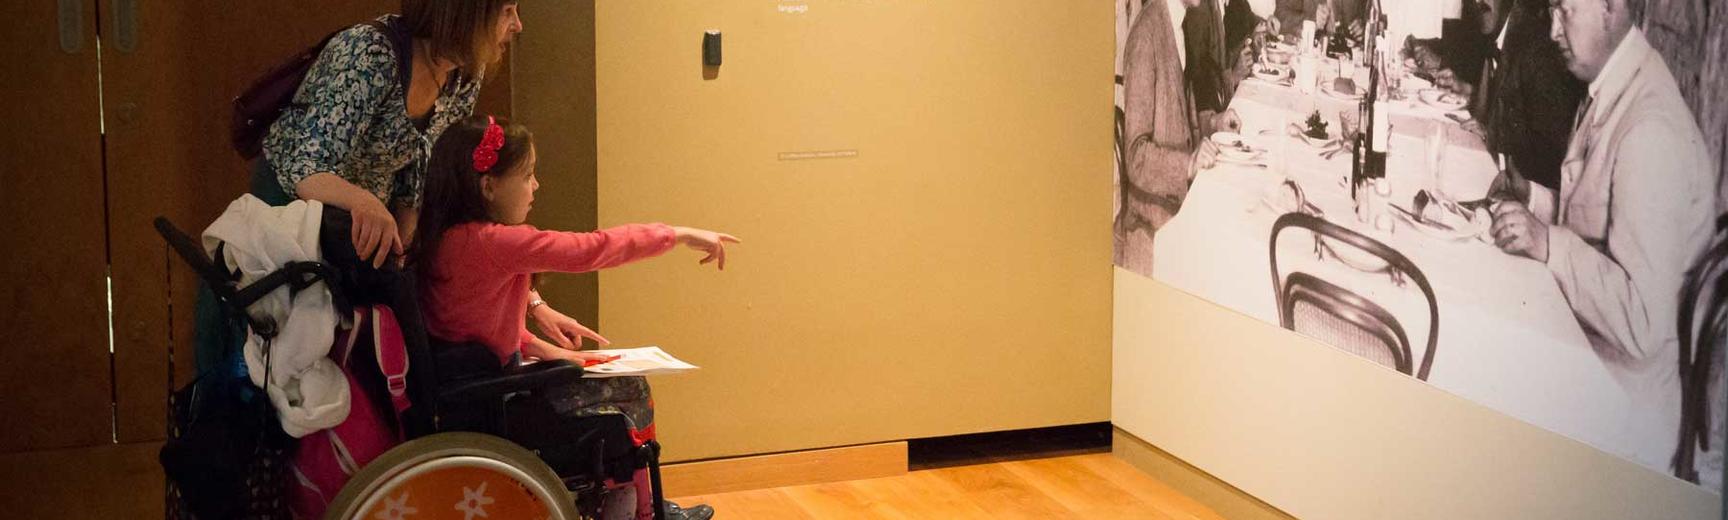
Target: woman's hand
<point>373,227</point>
<point>565,331</point>
<point>705,241</point>
<point>374,232</point>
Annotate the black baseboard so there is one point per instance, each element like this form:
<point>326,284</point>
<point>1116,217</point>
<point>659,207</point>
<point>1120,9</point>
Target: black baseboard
<point>979,448</point>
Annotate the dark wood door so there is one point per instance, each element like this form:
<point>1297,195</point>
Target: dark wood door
<point>55,384</point>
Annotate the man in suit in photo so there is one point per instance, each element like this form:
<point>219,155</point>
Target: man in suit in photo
<point>1163,144</point>
<point>1634,210</point>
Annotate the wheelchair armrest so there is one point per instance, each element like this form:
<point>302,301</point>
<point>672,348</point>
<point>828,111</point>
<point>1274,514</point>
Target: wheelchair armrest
<point>513,379</point>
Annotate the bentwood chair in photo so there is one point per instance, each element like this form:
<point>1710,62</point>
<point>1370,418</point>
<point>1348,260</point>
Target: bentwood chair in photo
<point>1703,327</point>
<point>1343,318</point>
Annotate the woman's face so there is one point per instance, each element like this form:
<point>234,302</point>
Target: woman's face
<point>509,196</point>
<point>508,25</point>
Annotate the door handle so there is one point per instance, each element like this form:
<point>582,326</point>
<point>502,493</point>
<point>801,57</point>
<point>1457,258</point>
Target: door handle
<point>125,25</point>
<point>71,26</point>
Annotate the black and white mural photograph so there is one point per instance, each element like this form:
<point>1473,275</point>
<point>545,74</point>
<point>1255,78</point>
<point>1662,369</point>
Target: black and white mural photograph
<point>1519,202</point>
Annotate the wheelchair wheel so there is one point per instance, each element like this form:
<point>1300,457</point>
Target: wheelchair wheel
<point>454,475</point>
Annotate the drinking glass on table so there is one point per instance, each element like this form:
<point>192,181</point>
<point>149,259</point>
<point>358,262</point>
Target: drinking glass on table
<point>1382,201</point>
<point>1392,74</point>
<point>1436,158</point>
<point>1306,69</point>
<point>1349,125</point>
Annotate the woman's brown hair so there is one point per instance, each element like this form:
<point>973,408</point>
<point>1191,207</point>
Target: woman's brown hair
<point>458,30</point>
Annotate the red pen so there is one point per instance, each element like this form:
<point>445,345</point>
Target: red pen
<point>592,362</point>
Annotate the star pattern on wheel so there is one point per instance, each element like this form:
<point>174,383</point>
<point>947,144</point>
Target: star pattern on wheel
<point>396,508</point>
<point>474,501</point>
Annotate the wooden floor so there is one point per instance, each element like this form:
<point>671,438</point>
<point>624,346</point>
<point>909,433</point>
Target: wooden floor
<point>1093,486</point>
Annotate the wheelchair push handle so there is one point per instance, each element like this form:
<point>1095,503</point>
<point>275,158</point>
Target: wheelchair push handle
<point>296,275</point>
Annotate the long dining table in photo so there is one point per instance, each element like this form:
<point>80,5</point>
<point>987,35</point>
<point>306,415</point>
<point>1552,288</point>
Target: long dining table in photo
<point>1503,333</point>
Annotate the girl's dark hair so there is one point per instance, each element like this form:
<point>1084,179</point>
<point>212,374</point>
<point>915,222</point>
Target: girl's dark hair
<point>452,194</point>
<point>458,30</point>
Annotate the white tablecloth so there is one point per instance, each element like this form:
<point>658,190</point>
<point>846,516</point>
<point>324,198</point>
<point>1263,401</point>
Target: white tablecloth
<point>1508,339</point>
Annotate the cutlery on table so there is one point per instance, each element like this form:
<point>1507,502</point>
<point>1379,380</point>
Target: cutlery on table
<point>1418,218</point>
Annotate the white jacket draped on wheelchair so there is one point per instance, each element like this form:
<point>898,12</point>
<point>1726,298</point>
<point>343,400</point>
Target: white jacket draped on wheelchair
<point>478,442</point>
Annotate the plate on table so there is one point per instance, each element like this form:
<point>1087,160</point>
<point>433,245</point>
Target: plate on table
<point>1270,73</point>
<point>1314,130</point>
<point>1279,58</point>
<point>1446,220</point>
<point>1234,147</point>
<point>1414,85</point>
<point>1448,101</point>
<point>1319,142</point>
<point>1287,197</point>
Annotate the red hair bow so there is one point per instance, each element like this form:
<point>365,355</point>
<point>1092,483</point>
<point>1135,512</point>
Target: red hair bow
<point>486,153</point>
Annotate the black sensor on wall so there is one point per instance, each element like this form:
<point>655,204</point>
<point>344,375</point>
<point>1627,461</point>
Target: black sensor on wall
<point>711,49</point>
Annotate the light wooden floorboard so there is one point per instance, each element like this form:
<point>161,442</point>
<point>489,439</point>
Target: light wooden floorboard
<point>1089,486</point>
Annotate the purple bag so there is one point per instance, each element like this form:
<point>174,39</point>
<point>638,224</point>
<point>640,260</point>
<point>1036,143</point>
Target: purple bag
<point>256,108</point>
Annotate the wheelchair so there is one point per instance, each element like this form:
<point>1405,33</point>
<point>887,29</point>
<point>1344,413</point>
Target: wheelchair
<point>481,439</point>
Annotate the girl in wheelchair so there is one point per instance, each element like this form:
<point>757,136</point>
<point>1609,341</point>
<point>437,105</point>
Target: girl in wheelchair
<point>476,259</point>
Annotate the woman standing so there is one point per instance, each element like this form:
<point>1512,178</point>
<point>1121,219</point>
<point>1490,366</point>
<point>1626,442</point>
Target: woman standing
<point>357,135</point>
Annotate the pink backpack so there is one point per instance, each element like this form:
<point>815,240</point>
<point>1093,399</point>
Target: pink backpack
<point>326,459</point>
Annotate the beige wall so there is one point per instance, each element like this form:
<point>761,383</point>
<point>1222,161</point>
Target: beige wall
<point>948,279</point>
<point>554,97</point>
<point>1319,433</point>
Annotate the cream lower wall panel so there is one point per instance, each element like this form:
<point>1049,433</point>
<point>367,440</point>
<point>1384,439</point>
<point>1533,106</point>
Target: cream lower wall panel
<point>1321,434</point>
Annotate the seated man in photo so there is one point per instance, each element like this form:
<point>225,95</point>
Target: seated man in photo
<point>1455,60</point>
<point>1162,143</point>
<point>1527,99</point>
<point>1635,207</point>
<point>1216,64</point>
<point>1465,43</point>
